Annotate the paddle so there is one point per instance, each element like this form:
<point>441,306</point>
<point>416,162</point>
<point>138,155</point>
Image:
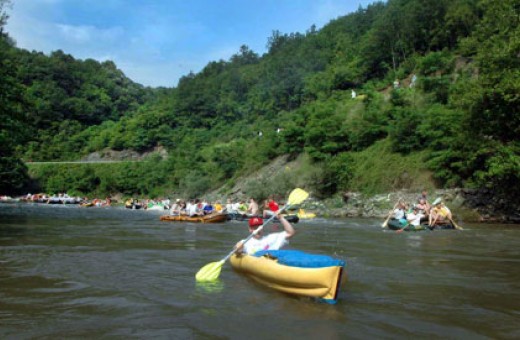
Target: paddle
<point>455,224</point>
<point>211,271</point>
<point>385,223</point>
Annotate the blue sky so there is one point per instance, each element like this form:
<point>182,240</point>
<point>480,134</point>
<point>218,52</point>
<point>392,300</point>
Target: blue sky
<point>155,42</point>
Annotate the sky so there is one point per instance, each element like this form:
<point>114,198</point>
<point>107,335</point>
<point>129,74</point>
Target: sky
<point>156,42</point>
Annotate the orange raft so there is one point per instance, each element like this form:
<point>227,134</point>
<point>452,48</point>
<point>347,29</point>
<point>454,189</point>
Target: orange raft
<point>212,218</point>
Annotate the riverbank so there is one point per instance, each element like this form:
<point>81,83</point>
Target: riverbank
<point>467,205</point>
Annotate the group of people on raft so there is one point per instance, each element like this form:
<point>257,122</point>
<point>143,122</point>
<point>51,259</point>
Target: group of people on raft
<point>64,198</point>
<point>422,213</point>
<point>197,207</point>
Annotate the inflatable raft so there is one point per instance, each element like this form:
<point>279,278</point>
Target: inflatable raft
<point>394,224</point>
<point>212,218</point>
<point>294,272</point>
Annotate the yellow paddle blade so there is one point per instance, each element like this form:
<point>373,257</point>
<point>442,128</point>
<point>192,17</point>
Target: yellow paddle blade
<point>209,272</point>
<point>297,196</point>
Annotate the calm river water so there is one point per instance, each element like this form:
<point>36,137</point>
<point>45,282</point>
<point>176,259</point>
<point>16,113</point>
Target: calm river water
<point>71,272</point>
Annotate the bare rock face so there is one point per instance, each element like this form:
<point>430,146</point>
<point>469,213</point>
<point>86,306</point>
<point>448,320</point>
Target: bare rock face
<point>124,155</point>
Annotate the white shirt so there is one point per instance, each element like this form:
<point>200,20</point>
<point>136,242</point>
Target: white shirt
<point>235,206</point>
<point>192,210</point>
<point>414,219</point>
<point>398,214</point>
<point>273,241</point>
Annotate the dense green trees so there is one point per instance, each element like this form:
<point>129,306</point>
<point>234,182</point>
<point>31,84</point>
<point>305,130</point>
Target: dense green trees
<point>458,121</point>
<point>491,102</point>
<point>13,173</point>
<point>65,96</point>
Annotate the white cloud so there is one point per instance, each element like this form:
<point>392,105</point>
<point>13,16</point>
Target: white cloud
<point>88,34</point>
<point>75,34</point>
<point>34,34</point>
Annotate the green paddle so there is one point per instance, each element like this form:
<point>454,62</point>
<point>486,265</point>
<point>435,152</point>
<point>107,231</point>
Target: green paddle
<point>211,271</point>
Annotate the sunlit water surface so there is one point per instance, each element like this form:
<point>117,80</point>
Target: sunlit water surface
<point>72,272</point>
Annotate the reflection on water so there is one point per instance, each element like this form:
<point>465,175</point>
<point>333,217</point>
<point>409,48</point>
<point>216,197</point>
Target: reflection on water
<point>76,272</point>
<point>414,241</point>
<point>190,236</point>
<point>210,287</point>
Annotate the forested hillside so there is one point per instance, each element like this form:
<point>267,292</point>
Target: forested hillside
<point>453,110</point>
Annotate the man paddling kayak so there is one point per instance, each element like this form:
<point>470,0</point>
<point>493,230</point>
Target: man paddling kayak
<point>273,241</point>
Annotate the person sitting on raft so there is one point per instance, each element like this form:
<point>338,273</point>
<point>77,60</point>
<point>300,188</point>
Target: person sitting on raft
<point>175,209</point>
<point>423,206</point>
<point>218,207</point>
<point>413,218</point>
<point>270,207</point>
<point>400,213</point>
<point>252,209</point>
<point>439,214</point>
<point>208,208</point>
<point>193,209</point>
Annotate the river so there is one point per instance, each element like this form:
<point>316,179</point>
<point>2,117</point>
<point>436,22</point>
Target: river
<point>72,272</point>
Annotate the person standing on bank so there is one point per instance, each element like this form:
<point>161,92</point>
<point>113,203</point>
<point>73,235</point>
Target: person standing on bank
<point>273,241</point>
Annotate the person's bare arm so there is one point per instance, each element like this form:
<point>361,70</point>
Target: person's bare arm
<point>287,226</point>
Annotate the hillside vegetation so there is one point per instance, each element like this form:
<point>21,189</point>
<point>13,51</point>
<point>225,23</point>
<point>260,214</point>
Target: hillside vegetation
<point>456,125</point>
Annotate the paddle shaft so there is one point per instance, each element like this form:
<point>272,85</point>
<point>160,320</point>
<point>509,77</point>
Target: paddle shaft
<point>455,224</point>
<point>257,230</point>
<point>385,223</point>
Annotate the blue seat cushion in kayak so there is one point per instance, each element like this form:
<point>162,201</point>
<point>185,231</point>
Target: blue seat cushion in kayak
<point>297,258</point>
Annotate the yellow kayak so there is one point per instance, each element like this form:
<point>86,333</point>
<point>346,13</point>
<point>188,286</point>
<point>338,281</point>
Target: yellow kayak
<point>294,272</point>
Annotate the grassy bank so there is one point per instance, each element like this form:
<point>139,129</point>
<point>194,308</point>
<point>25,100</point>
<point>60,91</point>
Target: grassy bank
<point>378,170</point>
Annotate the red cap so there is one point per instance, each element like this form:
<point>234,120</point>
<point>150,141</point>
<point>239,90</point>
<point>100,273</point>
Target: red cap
<point>273,206</point>
<point>255,221</point>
